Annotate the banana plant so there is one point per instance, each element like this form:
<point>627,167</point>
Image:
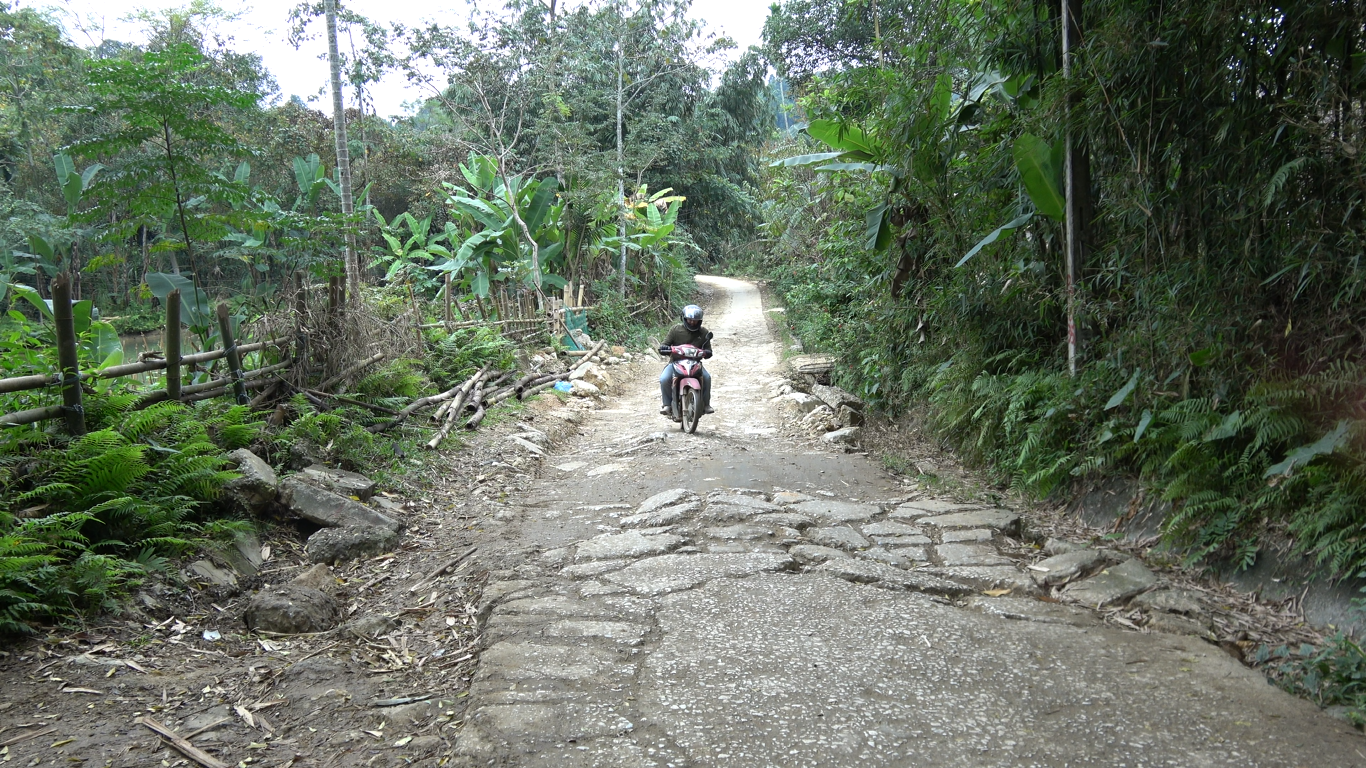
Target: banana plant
<point>500,218</point>
<point>97,341</point>
<point>406,258</point>
<point>853,150</point>
<point>655,235</point>
<point>1040,166</point>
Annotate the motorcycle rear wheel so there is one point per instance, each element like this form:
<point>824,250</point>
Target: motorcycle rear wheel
<point>692,413</point>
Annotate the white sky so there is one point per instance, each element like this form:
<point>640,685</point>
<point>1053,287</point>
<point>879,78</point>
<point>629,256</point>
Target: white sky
<point>263,29</point>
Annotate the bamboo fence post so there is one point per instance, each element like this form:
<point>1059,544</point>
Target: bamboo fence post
<point>239,389</point>
<point>67,359</point>
<point>172,345</point>
<point>579,303</point>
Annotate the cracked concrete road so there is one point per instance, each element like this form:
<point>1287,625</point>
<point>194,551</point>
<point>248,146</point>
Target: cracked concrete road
<point>737,598</point>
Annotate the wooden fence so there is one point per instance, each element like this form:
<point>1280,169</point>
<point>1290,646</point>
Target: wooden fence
<point>236,381</point>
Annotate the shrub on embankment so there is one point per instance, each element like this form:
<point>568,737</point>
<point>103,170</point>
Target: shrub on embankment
<point>1220,309</point>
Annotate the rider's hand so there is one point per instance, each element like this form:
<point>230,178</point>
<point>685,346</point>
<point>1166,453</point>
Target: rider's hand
<point>665,349</point>
<point>706,354</point>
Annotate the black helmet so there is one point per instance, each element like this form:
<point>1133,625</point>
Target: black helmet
<point>692,317</point>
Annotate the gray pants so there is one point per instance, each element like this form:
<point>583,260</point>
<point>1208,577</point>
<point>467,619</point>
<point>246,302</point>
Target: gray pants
<point>666,386</point>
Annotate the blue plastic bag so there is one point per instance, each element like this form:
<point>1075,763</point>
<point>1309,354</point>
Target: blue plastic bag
<point>563,386</point>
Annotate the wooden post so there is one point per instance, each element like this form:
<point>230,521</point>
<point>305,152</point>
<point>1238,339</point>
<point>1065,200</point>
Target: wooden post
<point>172,345</point>
<point>239,389</point>
<point>569,294</point>
<point>67,360</point>
<point>579,302</point>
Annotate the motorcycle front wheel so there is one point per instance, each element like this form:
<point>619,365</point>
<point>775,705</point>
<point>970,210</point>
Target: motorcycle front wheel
<point>691,411</point>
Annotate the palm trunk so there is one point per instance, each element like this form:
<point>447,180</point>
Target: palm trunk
<point>343,150</point>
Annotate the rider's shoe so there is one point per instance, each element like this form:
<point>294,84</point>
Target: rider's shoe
<point>709,410</point>
<point>666,411</point>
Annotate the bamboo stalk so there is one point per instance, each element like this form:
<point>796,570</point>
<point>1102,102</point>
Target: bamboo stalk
<point>362,365</point>
<point>454,413</point>
<point>172,345</point>
<point>234,357</point>
<point>67,359</point>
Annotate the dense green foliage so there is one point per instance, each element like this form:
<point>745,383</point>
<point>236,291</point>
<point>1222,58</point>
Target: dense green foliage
<point>1220,307</point>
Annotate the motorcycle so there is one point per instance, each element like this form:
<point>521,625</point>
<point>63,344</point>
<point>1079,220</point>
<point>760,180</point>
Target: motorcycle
<point>687,402</point>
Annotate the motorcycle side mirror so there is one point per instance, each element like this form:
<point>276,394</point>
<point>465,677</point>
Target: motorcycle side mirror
<point>710,335</point>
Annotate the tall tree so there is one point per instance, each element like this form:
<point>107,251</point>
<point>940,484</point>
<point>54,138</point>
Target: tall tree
<point>343,148</point>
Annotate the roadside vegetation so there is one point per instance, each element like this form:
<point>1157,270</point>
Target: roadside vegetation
<point>916,226</point>
<point>585,158</point>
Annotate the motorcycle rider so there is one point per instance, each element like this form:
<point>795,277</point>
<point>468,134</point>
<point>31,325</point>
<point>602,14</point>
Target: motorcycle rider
<point>690,331</point>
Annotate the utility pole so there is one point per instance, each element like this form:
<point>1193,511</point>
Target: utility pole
<point>343,149</point>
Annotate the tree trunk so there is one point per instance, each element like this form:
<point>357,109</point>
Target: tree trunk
<point>1076,180</point>
<point>621,180</point>
<point>343,150</point>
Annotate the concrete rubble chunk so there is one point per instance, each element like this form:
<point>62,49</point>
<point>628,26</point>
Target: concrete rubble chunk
<point>526,445</point>
<point>981,578</point>
<point>836,397</point>
<point>582,388</point>
<point>937,506</point>
<point>1060,569</point>
<point>970,554</point>
<point>843,436</point>
<point>318,577</point>
<point>841,537</point>
<point>1176,624</point>
<point>666,516</point>
<point>291,609</point>
<point>998,519</point>
<point>665,499</point>
<point>849,417</point>
<point>1172,601</point>
<point>533,723</point>
<point>798,403</point>
<point>741,500</point>
<point>244,554</point>
<point>814,554</point>
<point>1116,583</point>
<point>256,487</point>
<point>869,572</point>
<point>328,509</point>
<point>791,497</point>
<point>880,555</point>
<point>552,605</point>
<point>913,553</point>
<point>1061,547</point>
<point>631,544</point>
<point>617,631</point>
<point>349,542</point>
<point>784,519</point>
<point>890,528</point>
<point>512,660</point>
<point>1027,609</point>
<point>339,481</point>
<point>970,535</point>
<point>837,511</point>
<point>740,532</point>
<point>593,568</point>
<point>673,573</point>
<point>902,541</point>
<point>208,572</point>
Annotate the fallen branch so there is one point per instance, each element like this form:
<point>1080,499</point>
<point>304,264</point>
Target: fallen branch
<point>358,367</point>
<point>440,569</point>
<point>477,399</point>
<point>413,407</point>
<point>185,747</point>
<point>376,408</point>
<point>542,386</point>
<point>28,735</point>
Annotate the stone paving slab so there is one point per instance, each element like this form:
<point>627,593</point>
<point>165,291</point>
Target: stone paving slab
<point>671,573</point>
<point>631,544</point>
<point>837,511</point>
<point>998,519</point>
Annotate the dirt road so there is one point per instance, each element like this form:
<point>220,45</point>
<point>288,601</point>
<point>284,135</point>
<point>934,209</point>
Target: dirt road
<point>736,598</point>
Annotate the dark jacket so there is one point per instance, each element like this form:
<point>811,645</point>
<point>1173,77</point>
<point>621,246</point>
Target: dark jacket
<point>680,335</point>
